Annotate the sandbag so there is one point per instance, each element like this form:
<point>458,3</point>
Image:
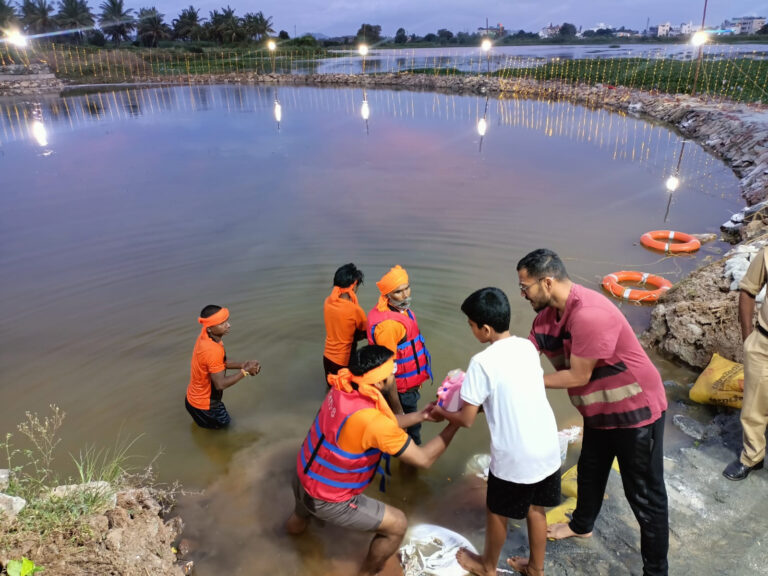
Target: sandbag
<point>562,514</point>
<point>568,482</point>
<point>721,383</point>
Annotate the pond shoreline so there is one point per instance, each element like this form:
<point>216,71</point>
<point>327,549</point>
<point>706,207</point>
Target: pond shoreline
<point>692,320</point>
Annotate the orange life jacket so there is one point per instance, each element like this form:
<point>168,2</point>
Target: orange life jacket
<point>412,357</point>
<point>326,471</point>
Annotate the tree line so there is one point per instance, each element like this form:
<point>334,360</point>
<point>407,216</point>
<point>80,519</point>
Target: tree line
<point>119,23</point>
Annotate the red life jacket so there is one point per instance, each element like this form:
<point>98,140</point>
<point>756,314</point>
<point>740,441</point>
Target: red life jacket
<point>326,471</point>
<point>414,364</point>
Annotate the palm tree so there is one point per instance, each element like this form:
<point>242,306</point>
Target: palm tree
<point>75,15</point>
<point>7,14</point>
<point>188,25</point>
<point>263,25</point>
<point>151,28</point>
<point>256,26</point>
<point>116,20</point>
<point>226,26</point>
<point>37,16</point>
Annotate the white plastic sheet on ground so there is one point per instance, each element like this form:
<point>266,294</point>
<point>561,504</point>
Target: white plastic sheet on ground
<point>430,550</point>
<point>736,265</point>
<point>479,464</point>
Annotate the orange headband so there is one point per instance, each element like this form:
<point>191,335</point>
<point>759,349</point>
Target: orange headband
<point>377,374</point>
<point>216,319</point>
<point>396,276</point>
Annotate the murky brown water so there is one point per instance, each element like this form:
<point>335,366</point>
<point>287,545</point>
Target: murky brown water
<point>145,205</point>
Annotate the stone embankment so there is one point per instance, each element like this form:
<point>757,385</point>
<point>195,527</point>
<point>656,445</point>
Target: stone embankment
<point>694,319</point>
<point>33,79</point>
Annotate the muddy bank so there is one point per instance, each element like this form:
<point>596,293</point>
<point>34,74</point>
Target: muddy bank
<point>131,539</point>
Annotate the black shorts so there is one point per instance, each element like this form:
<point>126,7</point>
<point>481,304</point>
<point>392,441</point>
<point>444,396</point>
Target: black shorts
<point>216,417</point>
<point>330,367</point>
<point>513,500</point>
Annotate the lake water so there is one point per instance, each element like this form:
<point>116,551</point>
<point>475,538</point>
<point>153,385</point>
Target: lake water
<point>473,59</point>
<point>123,213</point>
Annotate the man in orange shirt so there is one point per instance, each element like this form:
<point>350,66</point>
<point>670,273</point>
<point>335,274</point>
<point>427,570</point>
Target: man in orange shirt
<point>344,319</point>
<point>208,378</point>
<point>354,429</point>
<point>393,324</point>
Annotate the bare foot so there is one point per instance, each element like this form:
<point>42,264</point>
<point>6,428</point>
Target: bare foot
<point>473,563</point>
<point>520,564</point>
<point>561,531</point>
<point>295,525</point>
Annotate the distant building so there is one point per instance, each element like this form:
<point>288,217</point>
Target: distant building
<point>746,24</point>
<point>549,31</point>
<point>493,31</point>
<point>662,30</point>
<point>686,29</point>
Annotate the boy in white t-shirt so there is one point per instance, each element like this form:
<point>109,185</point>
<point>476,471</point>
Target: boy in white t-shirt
<point>506,379</point>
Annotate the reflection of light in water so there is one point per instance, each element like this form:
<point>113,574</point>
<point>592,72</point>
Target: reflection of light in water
<point>278,111</point>
<point>39,133</point>
<point>365,110</point>
<point>17,38</point>
<point>672,183</point>
<point>482,126</point>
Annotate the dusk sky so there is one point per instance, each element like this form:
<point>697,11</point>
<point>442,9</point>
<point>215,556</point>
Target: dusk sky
<point>343,17</point>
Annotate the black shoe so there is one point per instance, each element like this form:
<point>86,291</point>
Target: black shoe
<point>738,471</point>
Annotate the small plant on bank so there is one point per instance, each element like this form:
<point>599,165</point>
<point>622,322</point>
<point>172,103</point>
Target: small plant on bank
<point>33,477</point>
<point>23,567</point>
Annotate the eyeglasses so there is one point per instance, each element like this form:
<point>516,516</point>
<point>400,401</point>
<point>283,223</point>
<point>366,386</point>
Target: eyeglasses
<point>524,289</point>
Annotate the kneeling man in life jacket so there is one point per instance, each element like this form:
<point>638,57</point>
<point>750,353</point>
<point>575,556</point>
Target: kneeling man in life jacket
<point>353,432</point>
<point>393,324</point>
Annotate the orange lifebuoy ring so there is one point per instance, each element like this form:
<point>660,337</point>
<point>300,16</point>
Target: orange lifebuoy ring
<point>612,283</point>
<point>655,239</point>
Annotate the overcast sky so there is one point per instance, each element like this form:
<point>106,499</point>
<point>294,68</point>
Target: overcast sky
<point>343,17</point>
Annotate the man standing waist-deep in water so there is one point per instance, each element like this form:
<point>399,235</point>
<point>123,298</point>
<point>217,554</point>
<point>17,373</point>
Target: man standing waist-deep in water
<point>208,377</point>
<point>393,324</point>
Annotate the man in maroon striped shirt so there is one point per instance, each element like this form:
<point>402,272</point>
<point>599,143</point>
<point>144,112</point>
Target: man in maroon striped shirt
<point>617,390</point>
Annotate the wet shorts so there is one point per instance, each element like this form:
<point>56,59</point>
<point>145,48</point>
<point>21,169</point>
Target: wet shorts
<point>512,500</point>
<point>215,418</point>
<point>359,513</point>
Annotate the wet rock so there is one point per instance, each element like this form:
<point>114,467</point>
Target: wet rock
<point>690,427</point>
<point>186,547</point>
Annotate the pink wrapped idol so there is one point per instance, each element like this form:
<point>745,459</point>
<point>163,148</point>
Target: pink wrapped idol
<point>448,395</point>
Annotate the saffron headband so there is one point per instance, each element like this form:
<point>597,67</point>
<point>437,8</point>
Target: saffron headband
<point>377,374</point>
<point>216,319</point>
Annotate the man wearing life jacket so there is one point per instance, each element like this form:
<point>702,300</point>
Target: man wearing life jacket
<point>344,319</point>
<point>393,324</point>
<point>354,429</point>
<point>208,375</point>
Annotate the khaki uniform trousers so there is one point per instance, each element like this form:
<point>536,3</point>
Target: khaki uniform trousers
<point>754,408</point>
